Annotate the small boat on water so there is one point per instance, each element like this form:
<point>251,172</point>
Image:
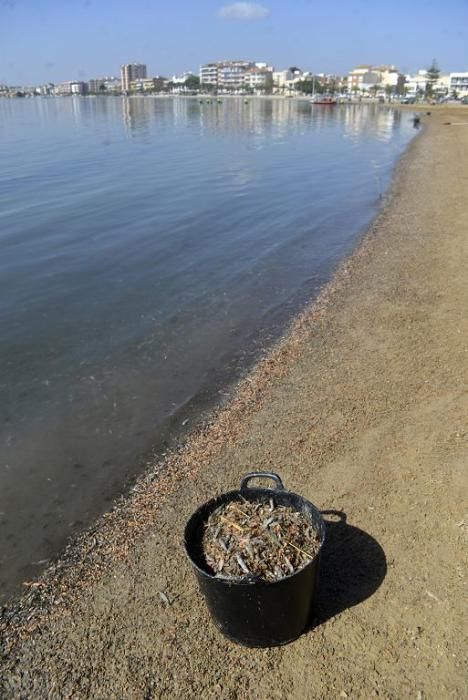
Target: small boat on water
<point>323,100</point>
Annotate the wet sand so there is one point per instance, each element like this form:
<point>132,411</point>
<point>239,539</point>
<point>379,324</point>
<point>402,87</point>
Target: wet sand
<point>362,409</point>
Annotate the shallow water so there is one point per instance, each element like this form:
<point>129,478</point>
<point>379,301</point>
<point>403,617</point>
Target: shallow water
<point>149,249</point>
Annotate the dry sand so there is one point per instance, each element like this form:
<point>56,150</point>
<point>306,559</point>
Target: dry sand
<point>362,409</point>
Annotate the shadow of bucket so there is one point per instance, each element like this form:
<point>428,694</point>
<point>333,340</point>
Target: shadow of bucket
<point>353,567</point>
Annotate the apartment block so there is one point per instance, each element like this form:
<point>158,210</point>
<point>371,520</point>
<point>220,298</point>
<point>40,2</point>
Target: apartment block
<point>459,82</point>
<point>366,76</point>
<point>156,84</point>
<point>233,75</point>
<point>209,74</point>
<point>360,76</point>
<point>258,78</point>
<point>96,85</point>
<point>130,72</point>
<point>71,87</point>
<point>416,83</point>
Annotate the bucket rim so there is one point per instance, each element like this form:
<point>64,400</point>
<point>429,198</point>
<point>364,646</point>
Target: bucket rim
<point>231,495</point>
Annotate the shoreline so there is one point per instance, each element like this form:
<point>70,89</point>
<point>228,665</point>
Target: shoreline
<point>120,543</point>
<point>341,100</point>
<point>177,444</point>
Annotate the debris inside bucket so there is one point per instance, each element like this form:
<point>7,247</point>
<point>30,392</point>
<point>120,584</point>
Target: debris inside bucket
<point>258,539</point>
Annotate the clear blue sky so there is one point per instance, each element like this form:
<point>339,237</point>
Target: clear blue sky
<point>54,40</point>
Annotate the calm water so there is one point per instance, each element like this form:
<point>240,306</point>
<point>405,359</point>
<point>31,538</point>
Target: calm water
<point>149,248</point>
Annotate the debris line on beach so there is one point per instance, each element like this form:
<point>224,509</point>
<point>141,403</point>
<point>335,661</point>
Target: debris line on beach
<point>261,540</point>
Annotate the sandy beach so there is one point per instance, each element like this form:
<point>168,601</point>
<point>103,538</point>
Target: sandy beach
<point>361,409</point>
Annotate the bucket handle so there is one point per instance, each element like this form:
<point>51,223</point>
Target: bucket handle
<point>262,475</point>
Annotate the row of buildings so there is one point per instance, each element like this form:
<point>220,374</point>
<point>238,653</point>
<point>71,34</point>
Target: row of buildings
<point>366,79</point>
<point>133,78</point>
<point>107,85</point>
<point>241,76</point>
<point>237,76</point>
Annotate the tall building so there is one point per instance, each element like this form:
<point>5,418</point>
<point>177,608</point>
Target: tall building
<point>96,85</point>
<point>209,74</point>
<point>130,72</point>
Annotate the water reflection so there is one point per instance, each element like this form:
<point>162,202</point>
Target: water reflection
<point>143,117</point>
<point>258,117</point>
<point>375,121</point>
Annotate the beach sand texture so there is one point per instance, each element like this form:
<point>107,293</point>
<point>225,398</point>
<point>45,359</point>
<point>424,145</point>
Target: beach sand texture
<point>362,409</point>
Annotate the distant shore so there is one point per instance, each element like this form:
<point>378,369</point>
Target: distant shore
<point>341,99</point>
<point>360,408</point>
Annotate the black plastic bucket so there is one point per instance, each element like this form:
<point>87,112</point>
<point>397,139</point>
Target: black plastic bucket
<point>252,612</point>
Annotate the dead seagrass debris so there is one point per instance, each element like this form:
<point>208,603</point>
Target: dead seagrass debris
<point>258,539</point>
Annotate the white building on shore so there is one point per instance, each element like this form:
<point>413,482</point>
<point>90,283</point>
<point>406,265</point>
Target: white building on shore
<point>367,77</point>
<point>285,81</point>
<point>458,83</point>
<point>442,84</point>
<point>209,74</point>
<point>104,86</point>
<point>154,84</point>
<point>181,78</point>
<point>258,78</point>
<point>361,76</point>
<point>235,75</point>
<point>71,87</point>
<point>417,84</point>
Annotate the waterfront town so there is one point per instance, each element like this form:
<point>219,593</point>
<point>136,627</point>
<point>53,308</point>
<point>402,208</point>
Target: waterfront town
<point>385,83</point>
<point>234,350</point>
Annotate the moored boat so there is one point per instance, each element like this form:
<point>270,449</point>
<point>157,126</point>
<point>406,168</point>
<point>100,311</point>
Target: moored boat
<point>323,100</point>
